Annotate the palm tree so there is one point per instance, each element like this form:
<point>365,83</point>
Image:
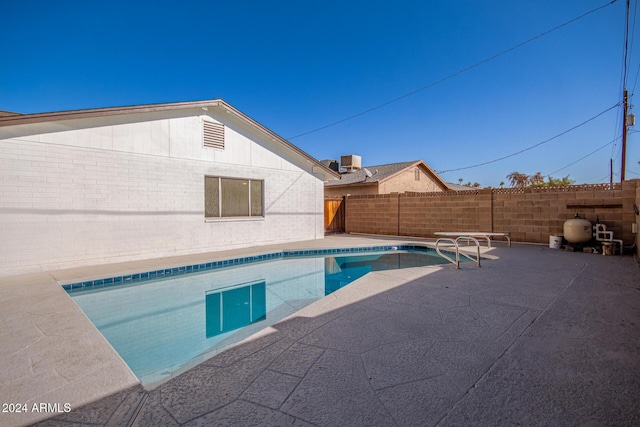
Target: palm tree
<point>518,179</point>
<point>501,184</point>
<point>537,179</point>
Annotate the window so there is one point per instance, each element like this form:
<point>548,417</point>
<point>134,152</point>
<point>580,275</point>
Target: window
<point>233,197</point>
<point>235,308</point>
<point>213,135</point>
<point>416,174</point>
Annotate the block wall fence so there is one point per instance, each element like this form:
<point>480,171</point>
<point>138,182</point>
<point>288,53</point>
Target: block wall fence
<point>638,223</point>
<point>528,214</point>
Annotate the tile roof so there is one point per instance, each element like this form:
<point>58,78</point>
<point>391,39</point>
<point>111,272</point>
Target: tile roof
<point>378,173</point>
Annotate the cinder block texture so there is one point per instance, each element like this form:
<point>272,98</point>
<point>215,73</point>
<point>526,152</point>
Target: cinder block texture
<point>113,192</point>
<point>528,214</point>
<point>637,221</point>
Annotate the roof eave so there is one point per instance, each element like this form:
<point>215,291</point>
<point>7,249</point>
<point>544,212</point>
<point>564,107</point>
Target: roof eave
<point>317,167</point>
<point>103,112</point>
<point>353,184</point>
<point>327,172</point>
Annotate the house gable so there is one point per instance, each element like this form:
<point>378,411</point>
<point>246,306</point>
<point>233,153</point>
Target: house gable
<point>97,186</point>
<point>402,177</point>
<point>417,177</point>
<point>162,129</point>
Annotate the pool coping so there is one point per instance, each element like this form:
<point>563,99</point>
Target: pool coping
<point>140,277</point>
<point>41,320</point>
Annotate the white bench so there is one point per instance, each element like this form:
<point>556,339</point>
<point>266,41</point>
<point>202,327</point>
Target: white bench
<point>476,234</point>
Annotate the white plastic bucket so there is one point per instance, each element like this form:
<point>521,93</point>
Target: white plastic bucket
<point>555,242</point>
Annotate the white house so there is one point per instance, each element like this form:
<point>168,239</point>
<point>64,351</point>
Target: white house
<point>117,184</point>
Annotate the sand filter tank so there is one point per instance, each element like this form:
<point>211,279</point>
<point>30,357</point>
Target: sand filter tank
<point>577,230</point>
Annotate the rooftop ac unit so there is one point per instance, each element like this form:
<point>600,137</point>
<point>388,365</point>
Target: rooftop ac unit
<point>351,162</point>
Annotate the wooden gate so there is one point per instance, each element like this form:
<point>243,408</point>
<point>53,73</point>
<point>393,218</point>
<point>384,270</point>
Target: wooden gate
<point>333,215</point>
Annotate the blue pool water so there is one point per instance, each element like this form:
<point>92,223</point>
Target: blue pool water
<point>164,326</point>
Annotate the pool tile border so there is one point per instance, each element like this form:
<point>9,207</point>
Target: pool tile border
<point>193,268</point>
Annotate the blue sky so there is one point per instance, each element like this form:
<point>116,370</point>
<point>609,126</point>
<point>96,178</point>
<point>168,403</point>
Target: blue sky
<point>296,66</point>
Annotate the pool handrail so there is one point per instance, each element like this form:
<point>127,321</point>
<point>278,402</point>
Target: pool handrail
<point>476,234</point>
<point>472,239</point>
<point>456,262</point>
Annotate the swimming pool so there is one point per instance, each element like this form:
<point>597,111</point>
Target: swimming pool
<point>163,326</point>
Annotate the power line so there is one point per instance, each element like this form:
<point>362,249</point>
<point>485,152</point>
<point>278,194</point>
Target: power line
<point>626,64</point>
<point>626,46</point>
<point>635,82</point>
<point>623,79</point>
<point>619,113</point>
<point>633,34</point>
<point>535,145</point>
<point>582,158</point>
<point>616,155</point>
<point>633,30</point>
<point>606,177</point>
<point>457,73</point>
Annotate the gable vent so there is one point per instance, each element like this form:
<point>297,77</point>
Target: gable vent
<point>213,135</point>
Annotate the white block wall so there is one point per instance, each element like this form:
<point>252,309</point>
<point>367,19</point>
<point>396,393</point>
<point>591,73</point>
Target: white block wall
<point>110,192</point>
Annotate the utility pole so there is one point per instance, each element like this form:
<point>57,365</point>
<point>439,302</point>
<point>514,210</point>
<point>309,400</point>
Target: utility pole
<point>625,97</point>
<point>611,174</point>
<point>624,137</point>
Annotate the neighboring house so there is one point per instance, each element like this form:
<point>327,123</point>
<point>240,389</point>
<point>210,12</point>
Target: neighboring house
<point>458,187</point>
<point>403,177</point>
<point>127,183</point>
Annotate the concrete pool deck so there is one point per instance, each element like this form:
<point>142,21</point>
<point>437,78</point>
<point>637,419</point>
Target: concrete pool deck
<point>536,336</point>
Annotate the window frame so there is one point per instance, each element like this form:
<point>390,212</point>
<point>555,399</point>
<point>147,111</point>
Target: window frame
<point>220,217</point>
